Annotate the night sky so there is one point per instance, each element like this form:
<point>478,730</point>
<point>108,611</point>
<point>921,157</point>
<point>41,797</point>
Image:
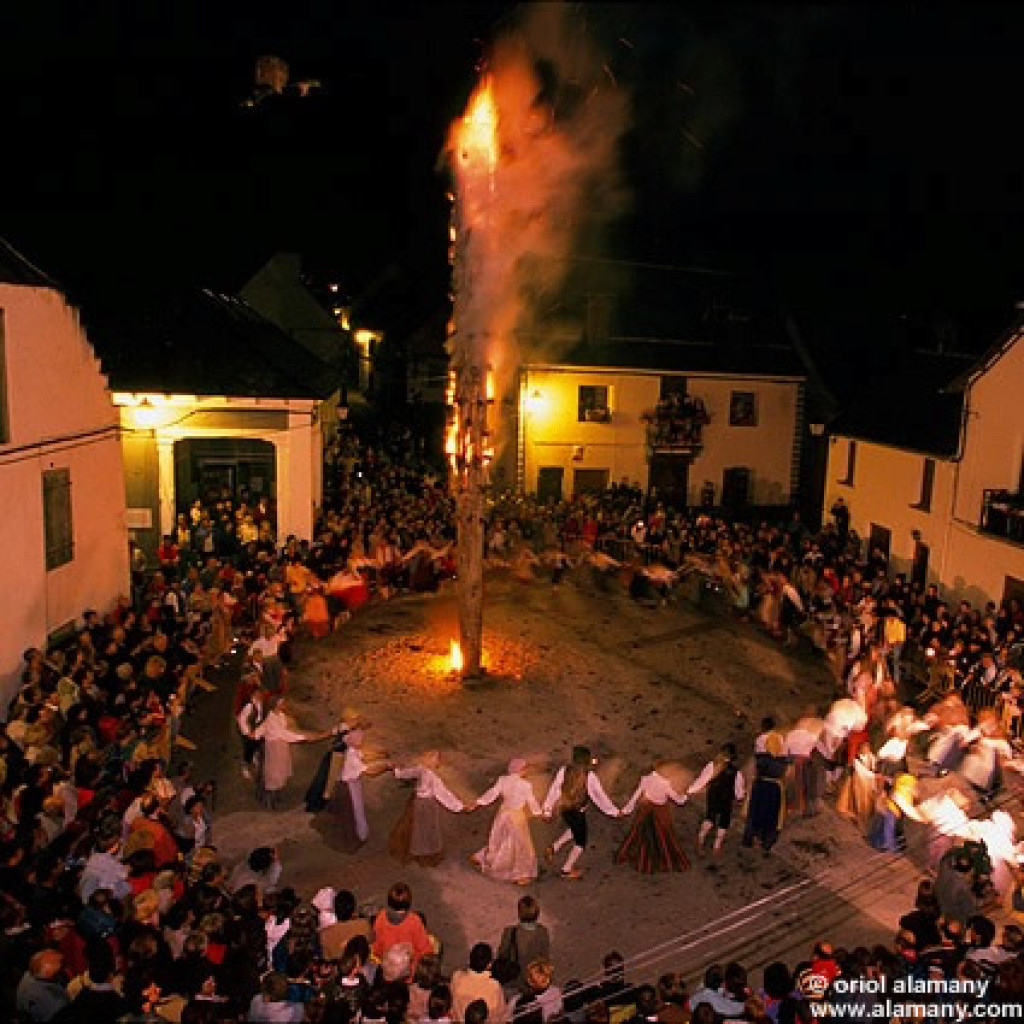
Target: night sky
<point>860,157</point>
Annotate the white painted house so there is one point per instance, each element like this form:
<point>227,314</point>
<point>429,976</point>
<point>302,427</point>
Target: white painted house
<point>935,476</point>
<point>62,504</point>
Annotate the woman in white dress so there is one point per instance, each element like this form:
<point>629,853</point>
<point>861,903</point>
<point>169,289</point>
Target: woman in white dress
<point>418,834</point>
<point>345,820</point>
<point>278,736</point>
<point>509,854</point>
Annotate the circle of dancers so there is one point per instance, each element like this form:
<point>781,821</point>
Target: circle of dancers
<point>793,771</point>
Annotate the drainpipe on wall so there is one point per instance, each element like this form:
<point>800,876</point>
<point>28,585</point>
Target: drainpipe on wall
<point>961,448</point>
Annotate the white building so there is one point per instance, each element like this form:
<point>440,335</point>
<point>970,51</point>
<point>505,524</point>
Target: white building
<point>65,548</point>
<point>933,473</point>
<point>213,397</point>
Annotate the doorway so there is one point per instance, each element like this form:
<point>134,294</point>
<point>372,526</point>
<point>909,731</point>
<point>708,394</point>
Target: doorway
<point>919,567</point>
<point>1013,590</point>
<point>223,469</point>
<point>549,484</point>
<point>736,487</point>
<point>879,540</point>
<point>669,479</point>
<point>589,481</point>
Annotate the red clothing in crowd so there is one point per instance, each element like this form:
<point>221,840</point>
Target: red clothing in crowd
<point>410,929</point>
<point>165,849</point>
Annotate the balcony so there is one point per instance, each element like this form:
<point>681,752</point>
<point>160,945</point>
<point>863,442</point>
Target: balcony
<point>675,426</point>
<point>1002,514</point>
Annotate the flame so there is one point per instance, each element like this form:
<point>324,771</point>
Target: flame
<point>478,133</point>
<point>489,386</point>
<point>455,656</point>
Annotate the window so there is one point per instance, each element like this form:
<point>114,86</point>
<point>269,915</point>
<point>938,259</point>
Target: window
<point>593,404</point>
<point>743,409</point>
<point>60,543</point>
<point>851,463</point>
<point>589,481</point>
<point>924,502</point>
<point>4,425</point>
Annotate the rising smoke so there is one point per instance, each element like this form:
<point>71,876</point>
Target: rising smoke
<point>557,186</point>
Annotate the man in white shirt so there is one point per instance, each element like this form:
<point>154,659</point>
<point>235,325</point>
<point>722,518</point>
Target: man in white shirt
<point>574,787</point>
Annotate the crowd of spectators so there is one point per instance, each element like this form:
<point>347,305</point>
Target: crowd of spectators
<point>115,904</point>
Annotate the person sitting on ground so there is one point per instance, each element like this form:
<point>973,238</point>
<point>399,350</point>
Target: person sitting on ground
<point>541,995</point>
<point>439,1005</point>
<point>673,1000</point>
<point>646,1005</point>
<point>425,977</point>
<point>476,1012</point>
<point>41,994</point>
<point>261,868</point>
<point>271,1005</point>
<point>714,993</point>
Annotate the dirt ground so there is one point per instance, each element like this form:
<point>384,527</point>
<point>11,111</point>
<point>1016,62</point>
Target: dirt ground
<point>570,665</point>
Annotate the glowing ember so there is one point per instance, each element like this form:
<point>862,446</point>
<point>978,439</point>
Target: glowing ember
<point>455,656</point>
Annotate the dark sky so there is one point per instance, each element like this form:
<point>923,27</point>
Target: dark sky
<point>858,155</point>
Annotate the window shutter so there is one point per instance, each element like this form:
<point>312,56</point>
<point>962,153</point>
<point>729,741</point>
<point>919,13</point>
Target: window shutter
<point>57,522</point>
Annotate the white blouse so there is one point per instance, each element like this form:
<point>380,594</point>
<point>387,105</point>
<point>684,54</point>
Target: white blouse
<point>595,791</point>
<point>430,787</point>
<point>515,793</point>
<point>655,789</point>
<point>275,727</point>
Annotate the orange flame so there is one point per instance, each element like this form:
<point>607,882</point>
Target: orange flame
<point>489,386</point>
<point>455,656</point>
<point>478,133</point>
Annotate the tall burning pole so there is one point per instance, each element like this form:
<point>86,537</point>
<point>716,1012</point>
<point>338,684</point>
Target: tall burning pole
<point>468,442</point>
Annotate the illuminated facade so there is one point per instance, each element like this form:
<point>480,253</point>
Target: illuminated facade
<point>947,507</point>
<point>582,428</point>
<point>61,497</point>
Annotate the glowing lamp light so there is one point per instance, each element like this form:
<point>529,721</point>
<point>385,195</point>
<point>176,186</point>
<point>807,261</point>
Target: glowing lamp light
<point>455,656</point>
<point>536,403</point>
<point>145,414</point>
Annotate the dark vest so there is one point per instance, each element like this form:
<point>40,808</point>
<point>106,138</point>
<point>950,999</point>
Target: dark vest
<point>722,788</point>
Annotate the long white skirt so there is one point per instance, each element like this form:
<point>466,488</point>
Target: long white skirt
<point>509,855</point>
<point>277,765</point>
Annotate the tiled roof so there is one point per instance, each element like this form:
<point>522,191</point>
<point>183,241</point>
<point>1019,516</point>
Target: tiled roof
<point>199,342</point>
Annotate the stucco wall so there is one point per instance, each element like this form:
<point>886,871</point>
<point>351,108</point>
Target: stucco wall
<point>766,449</point>
<point>965,562</point>
<point>553,430</point>
<point>994,449</point>
<point>886,484</point>
<point>60,417</point>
